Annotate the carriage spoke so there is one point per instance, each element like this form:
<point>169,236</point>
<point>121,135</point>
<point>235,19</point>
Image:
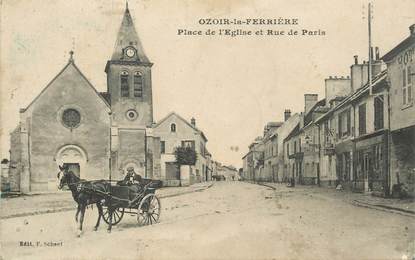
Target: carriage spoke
<point>155,202</point>
<point>148,210</point>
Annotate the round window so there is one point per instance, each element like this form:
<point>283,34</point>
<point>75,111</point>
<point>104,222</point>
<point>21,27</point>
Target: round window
<point>71,118</point>
<point>132,114</point>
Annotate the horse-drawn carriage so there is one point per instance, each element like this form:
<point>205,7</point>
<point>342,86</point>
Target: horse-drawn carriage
<point>144,204</point>
<point>113,198</point>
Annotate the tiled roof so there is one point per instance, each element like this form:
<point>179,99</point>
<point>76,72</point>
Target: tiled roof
<point>294,132</point>
<point>127,36</point>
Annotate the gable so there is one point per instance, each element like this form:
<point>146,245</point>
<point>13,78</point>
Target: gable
<point>183,128</point>
<point>69,82</point>
<point>179,118</point>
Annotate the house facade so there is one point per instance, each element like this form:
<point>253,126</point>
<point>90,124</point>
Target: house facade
<point>352,135</point>
<point>174,131</point>
<point>293,155</point>
<point>400,63</point>
<point>270,140</point>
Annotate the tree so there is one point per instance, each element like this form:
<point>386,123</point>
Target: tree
<point>4,161</point>
<point>185,155</point>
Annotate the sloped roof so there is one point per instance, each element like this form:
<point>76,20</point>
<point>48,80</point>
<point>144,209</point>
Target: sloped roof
<point>399,48</point>
<point>106,96</point>
<point>127,36</point>
<point>184,120</point>
<point>308,116</point>
<point>294,132</point>
<point>71,63</point>
<point>274,124</point>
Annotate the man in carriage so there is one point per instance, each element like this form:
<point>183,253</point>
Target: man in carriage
<point>134,183</point>
<point>131,177</point>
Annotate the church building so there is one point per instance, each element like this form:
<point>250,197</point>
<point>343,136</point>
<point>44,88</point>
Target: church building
<point>71,123</point>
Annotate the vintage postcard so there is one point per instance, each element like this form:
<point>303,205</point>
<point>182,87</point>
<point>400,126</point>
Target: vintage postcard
<point>207,129</point>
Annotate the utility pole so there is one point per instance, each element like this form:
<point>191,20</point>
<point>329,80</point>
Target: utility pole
<point>369,23</point>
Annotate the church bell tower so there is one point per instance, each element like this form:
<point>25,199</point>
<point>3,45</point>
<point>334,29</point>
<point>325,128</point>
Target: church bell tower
<point>129,87</point>
<point>129,79</point>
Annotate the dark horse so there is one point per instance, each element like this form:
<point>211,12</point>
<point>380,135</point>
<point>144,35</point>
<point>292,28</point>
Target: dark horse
<point>85,193</point>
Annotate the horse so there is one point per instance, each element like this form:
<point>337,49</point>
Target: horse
<point>85,193</point>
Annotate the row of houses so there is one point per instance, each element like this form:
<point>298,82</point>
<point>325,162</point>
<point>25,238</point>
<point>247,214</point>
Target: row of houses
<point>361,135</point>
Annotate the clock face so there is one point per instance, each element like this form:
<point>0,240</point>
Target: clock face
<point>130,52</point>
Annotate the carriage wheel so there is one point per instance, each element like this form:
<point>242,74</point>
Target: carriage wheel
<point>117,215</point>
<point>148,212</point>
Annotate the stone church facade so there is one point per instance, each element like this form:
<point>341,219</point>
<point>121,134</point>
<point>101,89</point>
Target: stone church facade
<point>70,123</point>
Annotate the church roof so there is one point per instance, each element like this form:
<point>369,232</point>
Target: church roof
<point>71,63</point>
<point>127,36</point>
<point>106,96</point>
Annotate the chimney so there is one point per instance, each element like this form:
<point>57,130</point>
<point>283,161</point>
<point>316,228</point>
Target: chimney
<point>412,29</point>
<point>193,121</point>
<point>309,101</point>
<point>356,61</point>
<point>287,114</point>
<point>336,87</point>
<point>359,72</point>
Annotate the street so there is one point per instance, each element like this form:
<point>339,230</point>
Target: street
<point>230,220</point>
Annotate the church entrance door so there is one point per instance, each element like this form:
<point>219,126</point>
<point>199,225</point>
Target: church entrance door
<point>75,158</point>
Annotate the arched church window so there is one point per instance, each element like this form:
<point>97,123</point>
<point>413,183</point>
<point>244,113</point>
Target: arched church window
<point>138,84</point>
<point>125,89</point>
<point>71,118</point>
<point>173,128</point>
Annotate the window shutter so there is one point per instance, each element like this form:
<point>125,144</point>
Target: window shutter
<point>362,119</point>
<point>348,122</point>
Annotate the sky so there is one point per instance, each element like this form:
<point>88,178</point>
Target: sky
<point>233,86</point>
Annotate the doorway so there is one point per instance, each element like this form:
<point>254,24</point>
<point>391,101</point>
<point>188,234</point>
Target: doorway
<point>368,172</point>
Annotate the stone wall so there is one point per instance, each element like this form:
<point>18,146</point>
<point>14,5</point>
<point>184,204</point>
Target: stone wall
<point>48,136</point>
<point>15,160</point>
<point>120,105</point>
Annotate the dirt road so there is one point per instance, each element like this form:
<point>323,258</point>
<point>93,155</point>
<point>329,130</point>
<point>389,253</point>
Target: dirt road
<point>231,220</point>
